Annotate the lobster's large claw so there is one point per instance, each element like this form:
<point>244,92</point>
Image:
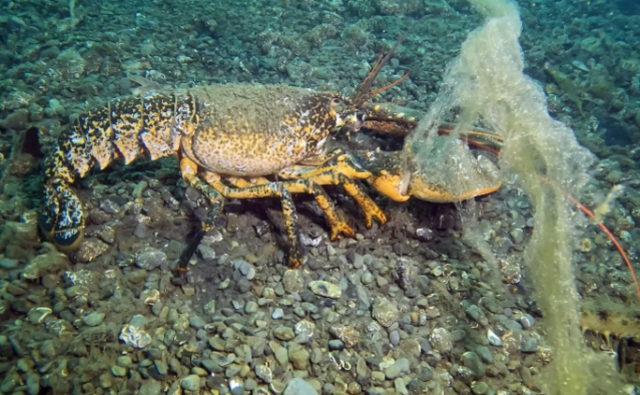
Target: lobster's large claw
<point>62,218</point>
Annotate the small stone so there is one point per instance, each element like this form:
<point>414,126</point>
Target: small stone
<point>48,349</point>
<point>325,289</point>
<point>397,368</point>
<point>206,253</point>
<point>293,280</point>
<point>400,386</point>
<point>336,345</point>
<point>124,361</point>
<point>300,358</point>
<point>150,258</point>
<point>196,322</point>
<point>118,371</point>
<point>191,382</point>
<point>211,366</point>
<point>10,381</point>
<point>161,367</point>
<point>247,270</point>
<point>479,387</point>
<point>394,338</point>
<point>8,264</point>
<point>385,312</point>
<point>298,386</point>
<point>251,307</point>
<point>93,319</point>
<point>264,373</point>
<point>472,360</point>
<point>485,354</point>
<point>38,314</point>
<point>282,356</point>
<point>377,376</point>
<point>33,384</point>
<point>494,339</point>
<point>440,340</point>
<point>426,373</point>
<point>367,278</point>
<point>151,387</point>
<point>284,333</point>
<point>277,314</point>
<point>210,308</point>
<point>529,345</point>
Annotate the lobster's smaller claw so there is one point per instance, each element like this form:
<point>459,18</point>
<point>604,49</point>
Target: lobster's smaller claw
<point>62,218</point>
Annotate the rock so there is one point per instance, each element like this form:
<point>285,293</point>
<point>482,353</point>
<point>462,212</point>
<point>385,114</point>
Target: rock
<point>16,120</point>
<point>426,373</point>
<point>529,345</point>
<point>93,319</point>
<point>472,360</point>
<point>349,335</point>
<point>8,264</point>
<point>33,384</point>
<point>385,312</point>
<point>293,281</point>
<point>298,386</point>
<point>135,336</point>
<point>210,307</point>
<point>9,382</point>
<point>211,366</point>
<point>336,345</point>
<point>326,289</point>
<point>150,258</point>
<point>207,253</point>
<point>277,314</point>
<point>124,361</point>
<point>251,307</point>
<point>52,262</point>
<point>282,356</point>
<point>283,333</point>
<point>400,386</point>
<point>48,349</point>
<point>485,354</point>
<point>90,249</point>
<point>394,338</point>
<point>264,373</point>
<point>151,387</point>
<point>479,387</point>
<point>196,322</point>
<point>38,314</point>
<point>191,382</point>
<point>494,339</point>
<point>397,368</point>
<point>118,371</point>
<point>440,340</point>
<point>299,358</point>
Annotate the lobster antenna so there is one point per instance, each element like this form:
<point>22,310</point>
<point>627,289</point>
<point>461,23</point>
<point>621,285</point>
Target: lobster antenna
<point>363,91</point>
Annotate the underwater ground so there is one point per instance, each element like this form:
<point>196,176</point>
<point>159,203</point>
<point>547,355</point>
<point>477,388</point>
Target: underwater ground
<point>408,307</point>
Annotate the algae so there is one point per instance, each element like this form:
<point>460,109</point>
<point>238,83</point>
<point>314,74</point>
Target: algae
<point>486,84</point>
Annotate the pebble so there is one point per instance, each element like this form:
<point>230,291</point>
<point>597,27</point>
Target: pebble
<point>282,356</point>
<point>48,349</point>
<point>251,307</point>
<point>196,322</point>
<point>124,361</point>
<point>385,312</point>
<point>485,354</point>
<point>206,253</point>
<point>264,373</point>
<point>151,387</point>
<point>440,340</point>
<point>161,367</point>
<point>367,278</point>
<point>400,386</point>
<point>426,373</point>
<point>93,319</point>
<point>118,371</point>
<point>283,333</point>
<point>277,314</point>
<point>530,344</point>
<point>336,345</point>
<point>191,382</point>
<point>9,382</point>
<point>8,264</point>
<point>397,368</point>
<point>299,358</point>
<point>494,339</point>
<point>325,289</point>
<point>150,258</point>
<point>33,384</point>
<point>479,387</point>
<point>394,338</point>
<point>298,386</point>
<point>293,281</point>
<point>472,361</point>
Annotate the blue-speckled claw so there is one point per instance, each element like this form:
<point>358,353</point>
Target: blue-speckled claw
<point>61,218</point>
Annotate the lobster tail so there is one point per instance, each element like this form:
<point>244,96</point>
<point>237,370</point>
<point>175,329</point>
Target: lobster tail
<point>124,128</point>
